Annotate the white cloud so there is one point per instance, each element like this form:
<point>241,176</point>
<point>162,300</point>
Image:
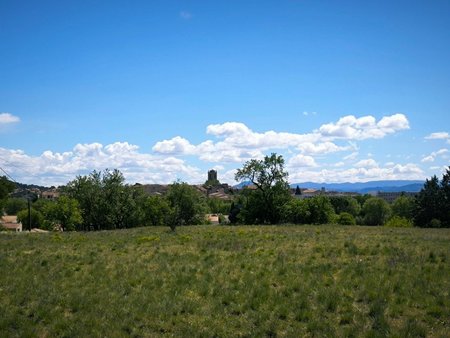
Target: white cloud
<point>236,142</point>
<point>408,171</point>
<point>300,161</point>
<point>432,157</point>
<point>176,145</point>
<point>53,168</point>
<point>320,148</point>
<point>351,156</point>
<point>7,118</point>
<point>305,113</point>
<point>368,163</point>
<point>438,136</point>
<point>352,128</point>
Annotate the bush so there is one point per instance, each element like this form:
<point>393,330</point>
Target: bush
<point>346,218</point>
<point>376,211</point>
<point>399,222</point>
<point>37,219</point>
<point>435,223</point>
<point>14,205</point>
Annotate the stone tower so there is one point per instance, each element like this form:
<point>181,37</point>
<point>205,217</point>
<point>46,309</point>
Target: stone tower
<point>212,175</point>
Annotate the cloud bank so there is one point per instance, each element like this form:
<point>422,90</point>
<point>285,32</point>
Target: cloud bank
<point>227,146</point>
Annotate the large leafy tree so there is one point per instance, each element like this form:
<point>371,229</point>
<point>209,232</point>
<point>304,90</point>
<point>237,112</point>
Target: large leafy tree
<point>14,205</point>
<point>106,202</point>
<point>433,202</point>
<point>156,210</point>
<point>345,204</point>
<point>186,205</point>
<point>403,206</point>
<point>6,186</point>
<point>265,203</point>
<point>376,211</point>
<point>66,212</point>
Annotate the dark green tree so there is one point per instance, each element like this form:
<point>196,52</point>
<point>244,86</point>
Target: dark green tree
<point>187,207</point>
<point>376,211</point>
<point>156,209</point>
<point>433,203</point>
<point>65,211</point>
<point>37,219</point>
<point>320,209</point>
<point>14,205</point>
<point>345,204</point>
<point>403,206</point>
<point>297,212</point>
<point>346,218</point>
<point>6,186</point>
<point>106,202</point>
<point>265,203</point>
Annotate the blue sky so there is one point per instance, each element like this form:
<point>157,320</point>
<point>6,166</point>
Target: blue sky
<point>344,90</point>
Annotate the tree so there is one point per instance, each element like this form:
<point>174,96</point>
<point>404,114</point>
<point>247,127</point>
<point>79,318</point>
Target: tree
<point>14,205</point>
<point>346,218</point>
<point>345,204</point>
<point>320,209</point>
<point>155,210</point>
<point>376,211</point>
<point>296,211</point>
<point>265,204</point>
<point>186,205</point>
<point>403,206</point>
<point>6,186</point>
<point>106,202</point>
<point>433,203</point>
<point>37,219</point>
<point>66,212</point>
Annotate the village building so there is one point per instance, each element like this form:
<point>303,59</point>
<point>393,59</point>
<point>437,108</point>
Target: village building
<point>11,223</point>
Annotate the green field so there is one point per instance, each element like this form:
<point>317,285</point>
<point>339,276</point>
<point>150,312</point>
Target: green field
<point>211,281</point>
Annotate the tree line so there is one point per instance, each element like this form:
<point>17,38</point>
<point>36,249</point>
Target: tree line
<point>102,201</point>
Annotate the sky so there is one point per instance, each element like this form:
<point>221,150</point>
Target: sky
<point>346,91</point>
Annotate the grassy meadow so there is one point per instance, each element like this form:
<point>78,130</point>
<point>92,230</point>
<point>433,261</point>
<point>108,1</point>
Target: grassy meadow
<point>211,281</point>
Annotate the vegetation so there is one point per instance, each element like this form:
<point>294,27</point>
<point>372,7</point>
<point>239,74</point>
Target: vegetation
<point>265,204</point>
<point>432,203</point>
<point>14,205</point>
<point>220,281</point>
<point>102,201</point>
<point>186,205</point>
<point>6,186</point>
<point>375,211</point>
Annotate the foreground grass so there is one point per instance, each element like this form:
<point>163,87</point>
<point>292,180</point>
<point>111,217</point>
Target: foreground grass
<point>227,282</point>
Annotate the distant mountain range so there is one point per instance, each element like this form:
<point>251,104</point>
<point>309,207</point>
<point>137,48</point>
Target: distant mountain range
<point>359,187</point>
<point>365,187</point>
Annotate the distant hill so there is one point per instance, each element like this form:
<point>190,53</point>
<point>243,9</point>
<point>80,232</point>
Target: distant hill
<point>365,187</point>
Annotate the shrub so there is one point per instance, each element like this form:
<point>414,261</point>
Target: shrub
<point>346,218</point>
<point>399,222</point>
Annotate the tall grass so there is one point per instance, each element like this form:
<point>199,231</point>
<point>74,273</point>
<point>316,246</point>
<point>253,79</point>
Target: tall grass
<point>211,281</point>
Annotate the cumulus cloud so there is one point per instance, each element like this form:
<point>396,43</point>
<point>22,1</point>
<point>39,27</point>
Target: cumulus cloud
<point>439,136</point>
<point>368,163</point>
<point>7,118</point>
<point>301,161</point>
<point>432,157</point>
<point>409,171</point>
<point>176,145</point>
<point>236,142</point>
<point>352,128</point>
<point>54,168</point>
